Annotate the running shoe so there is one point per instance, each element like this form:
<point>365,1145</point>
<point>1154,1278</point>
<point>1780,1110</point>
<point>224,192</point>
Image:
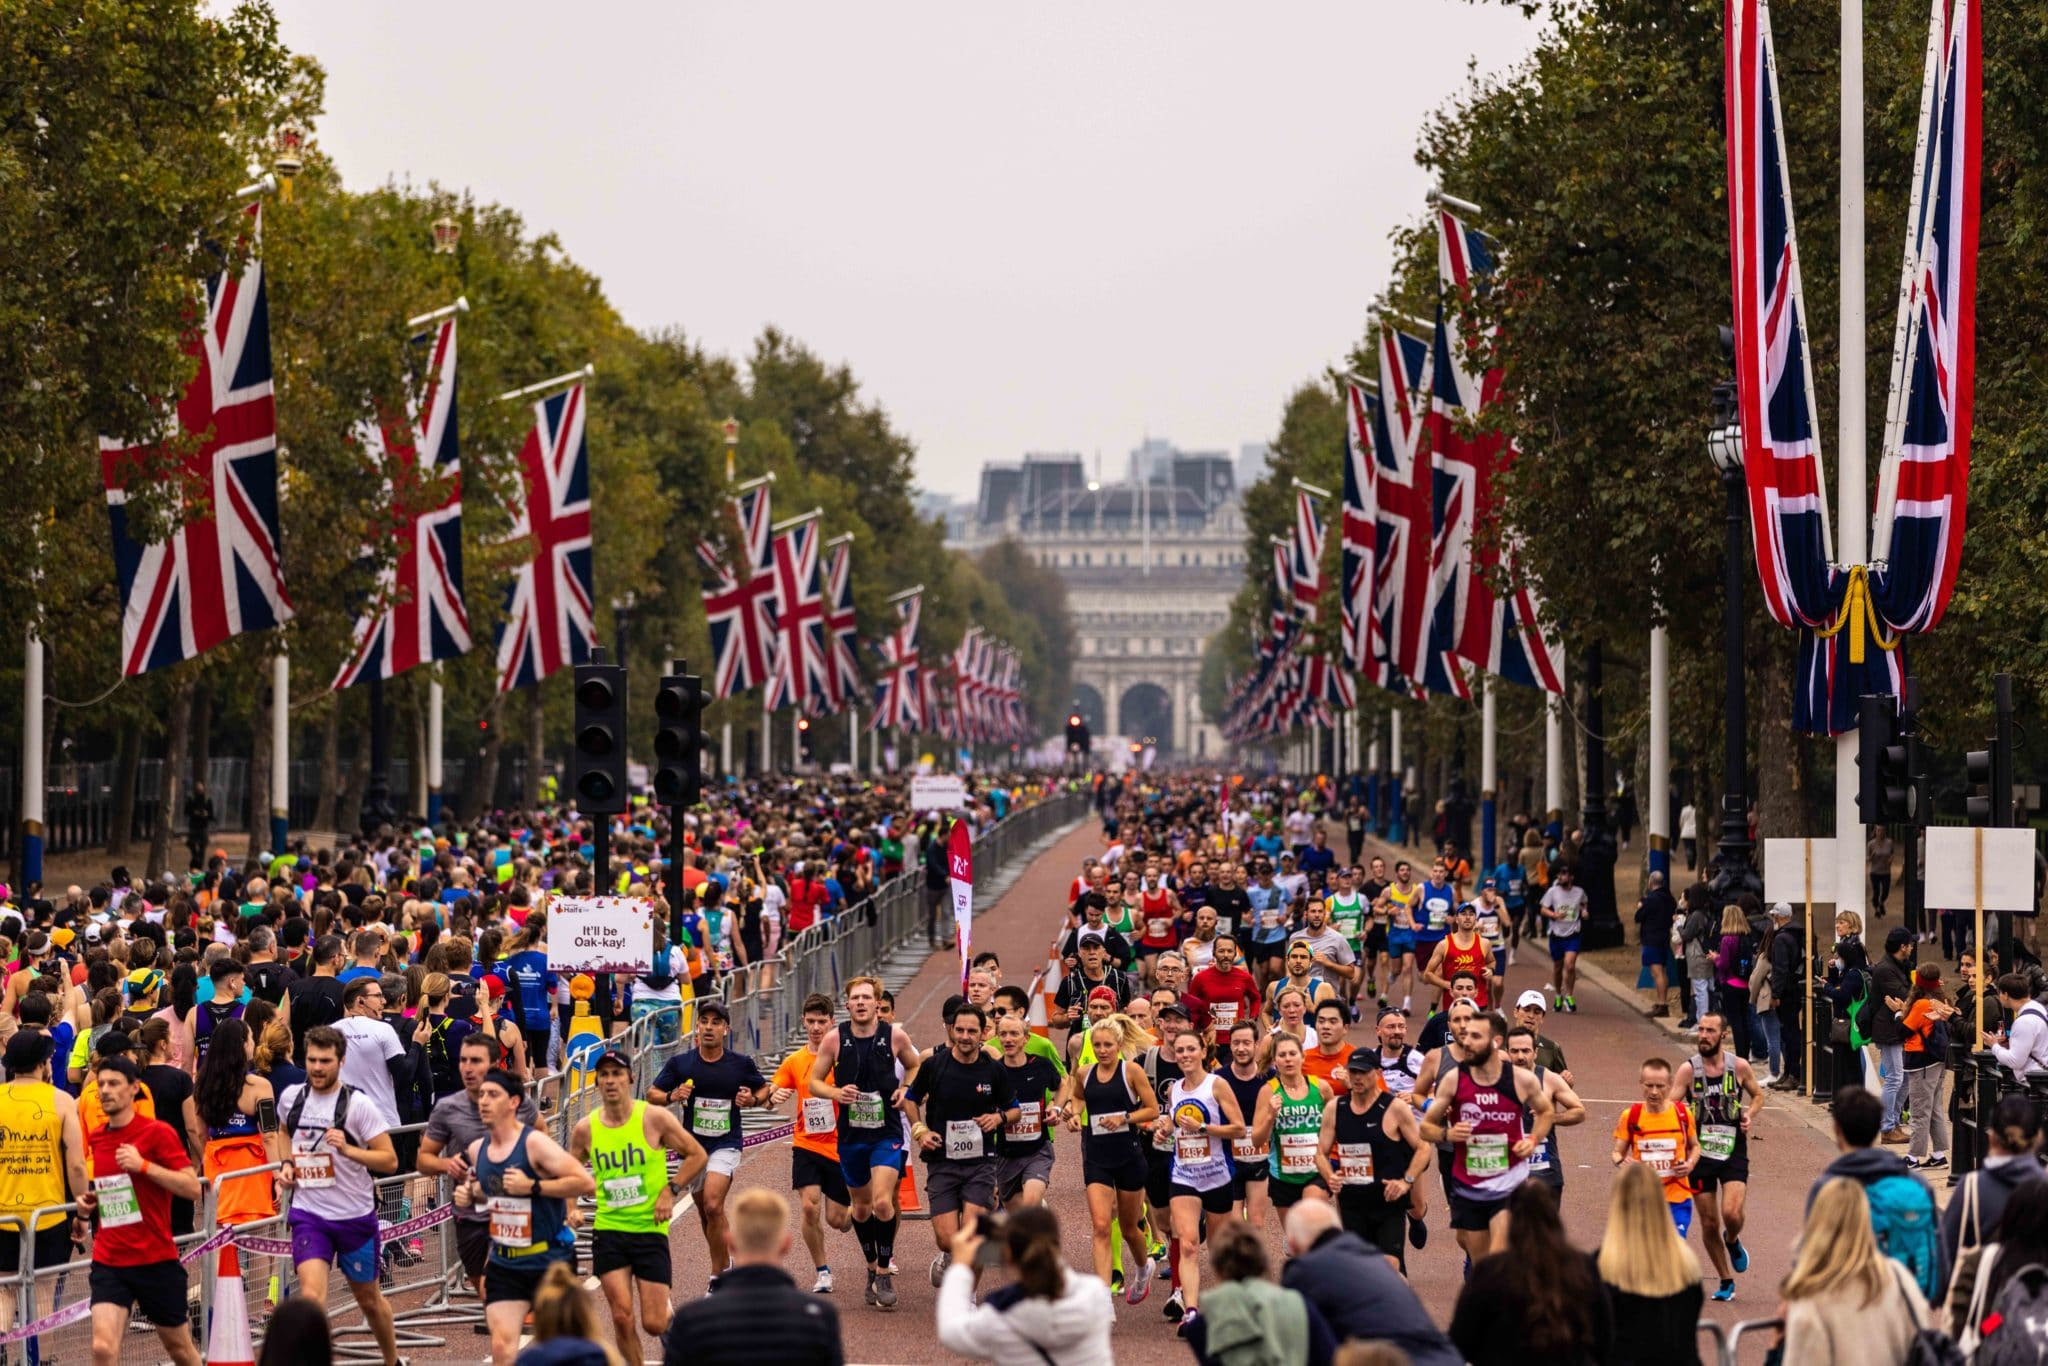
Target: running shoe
<point>1726,1292</point>
<point>868,1295</point>
<point>1185,1321</point>
<point>1140,1284</point>
<point>885,1291</point>
<point>822,1285</point>
<point>1175,1308</point>
<point>1418,1233</point>
<point>938,1270</point>
<point>1937,1160</point>
<point>1116,1279</point>
<point>1738,1255</point>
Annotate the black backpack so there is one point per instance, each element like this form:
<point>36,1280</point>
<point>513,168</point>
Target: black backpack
<point>441,1058</point>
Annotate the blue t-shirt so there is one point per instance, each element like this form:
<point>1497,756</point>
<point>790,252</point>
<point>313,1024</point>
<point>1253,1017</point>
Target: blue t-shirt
<point>1317,860</point>
<point>1507,879</point>
<point>1432,910</point>
<point>529,986</point>
<point>1269,845</point>
<point>710,1116</point>
<point>352,974</point>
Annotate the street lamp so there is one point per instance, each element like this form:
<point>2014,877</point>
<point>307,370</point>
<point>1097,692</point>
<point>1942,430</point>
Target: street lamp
<point>447,233</point>
<point>288,154</point>
<point>1735,864</point>
<point>730,429</point>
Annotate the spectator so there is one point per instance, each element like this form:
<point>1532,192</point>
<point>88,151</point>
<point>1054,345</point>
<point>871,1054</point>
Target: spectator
<point>565,1329</point>
<point>1358,1294</point>
<point>1538,1303</point>
<point>1900,1204</point>
<point>1974,1212</point>
<point>1245,1318</point>
<point>757,1313</point>
<point>2024,1046</point>
<point>1926,1055</point>
<point>1733,962</point>
<point>2022,1231</point>
<point>1654,914</point>
<point>1697,935</point>
<point>1652,1280</point>
<point>1848,984</point>
<point>1763,998</point>
<point>1890,979</point>
<point>1050,1313</point>
<point>296,1334</point>
<point>1846,1303</point>
<point>1788,960</point>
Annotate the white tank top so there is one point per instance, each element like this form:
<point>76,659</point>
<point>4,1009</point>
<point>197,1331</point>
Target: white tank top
<point>1200,1160</point>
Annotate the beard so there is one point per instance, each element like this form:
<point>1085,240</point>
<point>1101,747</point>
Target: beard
<point>1481,1055</point>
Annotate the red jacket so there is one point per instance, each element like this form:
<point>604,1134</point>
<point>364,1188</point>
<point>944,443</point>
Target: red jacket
<point>807,899</point>
<point>1210,987</point>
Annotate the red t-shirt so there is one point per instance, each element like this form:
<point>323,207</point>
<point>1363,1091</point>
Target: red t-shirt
<point>1210,988</point>
<point>150,1240</point>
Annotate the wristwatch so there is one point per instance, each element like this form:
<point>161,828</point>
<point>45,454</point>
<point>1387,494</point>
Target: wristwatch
<point>674,1189</point>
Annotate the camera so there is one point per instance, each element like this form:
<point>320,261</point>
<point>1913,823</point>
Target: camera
<point>994,1229</point>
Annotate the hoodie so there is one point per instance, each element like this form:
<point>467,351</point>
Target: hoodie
<point>1994,1182</point>
<point>1010,1328</point>
<point>1864,1166</point>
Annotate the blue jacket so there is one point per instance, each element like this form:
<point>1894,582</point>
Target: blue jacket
<point>1360,1296</point>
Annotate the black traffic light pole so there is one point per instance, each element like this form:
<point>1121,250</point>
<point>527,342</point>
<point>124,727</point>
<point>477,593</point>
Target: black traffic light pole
<point>597,770</point>
<point>1912,876</point>
<point>679,761</point>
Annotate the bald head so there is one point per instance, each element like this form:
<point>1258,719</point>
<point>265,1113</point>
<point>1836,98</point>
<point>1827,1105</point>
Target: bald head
<point>1308,1221</point>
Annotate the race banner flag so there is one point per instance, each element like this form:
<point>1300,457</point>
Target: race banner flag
<point>220,571</point>
<point>739,598</point>
<point>418,614</point>
<point>960,878</point>
<point>550,618</point>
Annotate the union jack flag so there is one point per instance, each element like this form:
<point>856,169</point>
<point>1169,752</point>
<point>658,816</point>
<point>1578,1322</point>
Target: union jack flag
<point>1924,480</point>
<point>1361,508</point>
<point>549,619</point>
<point>1499,631</point>
<point>842,633</point>
<point>1405,527</point>
<point>1306,554</point>
<point>739,601</point>
<point>899,694</point>
<point>800,671</point>
<point>220,571</point>
<point>418,614</point>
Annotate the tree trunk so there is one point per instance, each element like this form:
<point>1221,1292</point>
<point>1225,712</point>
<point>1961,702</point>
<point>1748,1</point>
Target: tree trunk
<point>202,737</point>
<point>536,747</point>
<point>416,755</point>
<point>177,742</point>
<point>480,779</point>
<point>330,766</point>
<point>259,772</point>
<point>348,814</point>
<point>1779,801</point>
<point>122,827</point>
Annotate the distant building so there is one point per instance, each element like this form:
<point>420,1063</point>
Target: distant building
<point>1150,563</point>
<point>1252,459</point>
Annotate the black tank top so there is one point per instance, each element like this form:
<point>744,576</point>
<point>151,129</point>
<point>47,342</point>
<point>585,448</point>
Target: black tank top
<point>1390,1156</point>
<point>1544,1164</point>
<point>1108,1098</point>
<point>869,1065</point>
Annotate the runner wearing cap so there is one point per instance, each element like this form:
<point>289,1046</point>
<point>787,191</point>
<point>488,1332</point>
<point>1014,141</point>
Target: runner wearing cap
<point>454,1125</point>
<point>1464,950</point>
<point>857,1065</point>
<point>524,1182</point>
<point>1102,1004</point>
<point>1530,1007</point>
<point>1092,974</point>
<point>814,1149</point>
<point>506,1039</point>
<point>41,1145</point>
<point>340,1143</point>
<point>139,1163</point>
<point>713,1085</point>
<point>624,1146</point>
<point>1564,906</point>
<point>1370,1152</point>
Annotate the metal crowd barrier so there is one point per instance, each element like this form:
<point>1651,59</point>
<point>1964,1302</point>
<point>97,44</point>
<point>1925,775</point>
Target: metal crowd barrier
<point>1977,1084</point>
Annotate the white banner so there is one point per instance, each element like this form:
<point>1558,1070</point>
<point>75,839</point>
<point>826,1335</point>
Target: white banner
<point>937,792</point>
<point>601,934</point>
<point>1785,871</point>
<point>1952,868</point>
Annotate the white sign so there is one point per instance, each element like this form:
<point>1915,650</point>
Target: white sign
<point>937,792</point>
<point>600,934</point>
<point>1785,871</point>
<point>1952,868</point>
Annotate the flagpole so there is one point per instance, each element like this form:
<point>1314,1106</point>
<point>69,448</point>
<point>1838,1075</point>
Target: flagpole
<point>1658,817</point>
<point>1553,756</point>
<point>541,386</point>
<point>435,703</point>
<point>434,315</point>
<point>1398,826</point>
<point>34,787</point>
<point>767,734</point>
<point>1852,513</point>
<point>280,750</point>
<point>1489,775</point>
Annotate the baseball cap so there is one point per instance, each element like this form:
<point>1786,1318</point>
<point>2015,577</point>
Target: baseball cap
<point>1170,1008</point>
<point>614,1054</point>
<point>1781,911</point>
<point>1092,937</point>
<point>143,981</point>
<point>62,938</point>
<point>705,1007</point>
<point>1531,998</point>
<point>492,983</point>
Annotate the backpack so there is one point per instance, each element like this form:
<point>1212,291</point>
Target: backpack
<point>441,1058</point>
<point>1902,1216</point>
<point>298,1110</point>
<point>2015,1331</point>
<point>1863,1013</point>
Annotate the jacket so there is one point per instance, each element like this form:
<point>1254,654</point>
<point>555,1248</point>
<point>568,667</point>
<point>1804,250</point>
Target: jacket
<point>1011,1328</point>
<point>1787,953</point>
<point>1864,1166</point>
<point>1363,1297</point>
<point>1238,1314</point>
<point>757,1314</point>
<point>1698,936</point>
<point>1489,1322</point>
<point>563,1352</point>
<point>1887,978</point>
<point>1838,1329</point>
<point>1994,1185</point>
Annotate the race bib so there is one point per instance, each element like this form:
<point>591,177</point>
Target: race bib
<point>621,1192</point>
<point>1660,1155</point>
<point>963,1140</point>
<point>1244,1150</point>
<point>1717,1141</point>
<point>1098,1124</point>
<point>1223,1015</point>
<point>1539,1161</point>
<point>711,1118</point>
<point>1189,1149</point>
<point>1029,1124</point>
<point>818,1115</point>
<point>118,1204</point>
<point>1439,914</point>
<point>866,1111</point>
<point>1162,1137</point>
<point>1297,1154</point>
<point>1486,1155</point>
<point>1157,927</point>
<point>313,1170</point>
<point>511,1220</point>
<point>1354,1163</point>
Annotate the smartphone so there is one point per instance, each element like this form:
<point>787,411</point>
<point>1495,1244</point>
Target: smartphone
<point>992,1229</point>
<point>266,1115</point>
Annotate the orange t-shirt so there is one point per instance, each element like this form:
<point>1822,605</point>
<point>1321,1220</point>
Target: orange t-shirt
<point>1919,1022</point>
<point>1319,1065</point>
<point>1659,1142</point>
<point>813,1113</point>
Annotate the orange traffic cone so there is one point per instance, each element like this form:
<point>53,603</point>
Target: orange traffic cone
<point>906,1189</point>
<point>1036,1017</point>
<point>1048,992</point>
<point>227,1340</point>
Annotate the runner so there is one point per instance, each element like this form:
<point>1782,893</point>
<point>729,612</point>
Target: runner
<point>965,1095</point>
<point>1477,1107</point>
<point>508,1172</point>
<point>1373,949</point>
<point>41,1146</point>
<point>1108,1103</point>
<point>1545,1164</point>
<point>1494,919</point>
<point>1302,975</point>
<point>1223,993</point>
<point>1269,913</point>
<point>1289,1117</point>
<point>1331,1054</point>
<point>1529,1010</point>
<point>1349,910</point>
<point>624,1146</point>
<point>1726,1099</point>
<point>1399,1065</point>
<point>1370,1151</point>
<point>231,1102</point>
<point>1464,949</point>
<point>1435,902</point>
<point>1659,1133</point>
<point>1564,905</point>
<point>1024,1149</point>
<point>713,1085</point>
<point>1205,1119</point>
<point>206,1016</point>
<point>138,1163</point>
<point>1398,904</point>
<point>453,1128</point>
<point>1246,1080</point>
<point>856,1066</point>
<point>1157,910</point>
<point>814,1149</point>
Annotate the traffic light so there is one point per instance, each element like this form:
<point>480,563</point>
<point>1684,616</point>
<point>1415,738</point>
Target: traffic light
<point>1077,733</point>
<point>679,739</point>
<point>597,767</point>
<point>803,738</point>
<point>1884,788</point>
<point>1989,771</point>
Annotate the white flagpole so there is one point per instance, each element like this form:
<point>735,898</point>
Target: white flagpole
<point>1657,816</point>
<point>1852,514</point>
<point>280,750</point>
<point>1553,756</point>
<point>767,735</point>
<point>435,722</point>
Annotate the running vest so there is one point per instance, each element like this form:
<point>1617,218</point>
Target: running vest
<point>1477,957</point>
<point>1111,1097</point>
<point>868,1065</point>
<point>1544,1164</point>
<point>1243,1149</point>
<point>630,1173</point>
<point>1398,902</point>
<point>31,1151</point>
<point>1717,1105</point>
<point>525,1230</point>
<point>1200,1160</point>
<point>232,1147</point>
<point>1486,1165</point>
<point>1297,1127</point>
<point>208,1015</point>
<point>1362,1153</point>
<point>1156,909</point>
<point>1348,917</point>
<point>1436,910</point>
<point>1398,1074</point>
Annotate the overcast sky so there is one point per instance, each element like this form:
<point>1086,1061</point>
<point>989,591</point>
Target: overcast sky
<point>1046,227</point>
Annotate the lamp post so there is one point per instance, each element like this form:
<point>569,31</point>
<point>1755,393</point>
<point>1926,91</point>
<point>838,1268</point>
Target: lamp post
<point>1734,864</point>
<point>447,235</point>
<point>730,430</point>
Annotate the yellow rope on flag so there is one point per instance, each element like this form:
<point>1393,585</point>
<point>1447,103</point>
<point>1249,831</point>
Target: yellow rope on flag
<point>1859,615</point>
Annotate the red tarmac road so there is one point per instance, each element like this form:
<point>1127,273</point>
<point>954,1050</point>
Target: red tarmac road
<point>1605,1043</point>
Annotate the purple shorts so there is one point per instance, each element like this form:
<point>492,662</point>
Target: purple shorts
<point>350,1243</point>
